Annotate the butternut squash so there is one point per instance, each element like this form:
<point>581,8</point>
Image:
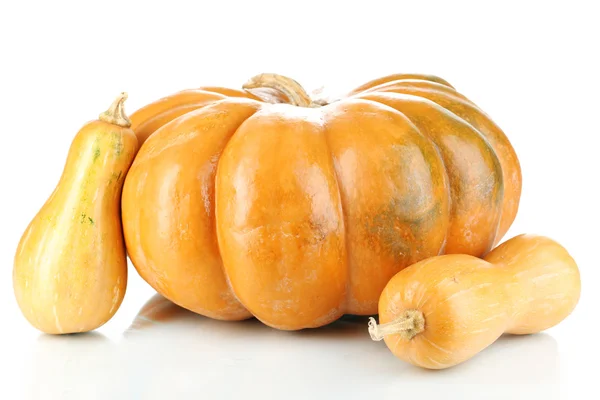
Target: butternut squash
<point>444,310</point>
<point>70,269</point>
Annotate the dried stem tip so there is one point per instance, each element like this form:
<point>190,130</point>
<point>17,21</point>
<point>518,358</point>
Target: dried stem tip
<point>409,324</point>
<point>292,89</point>
<point>116,112</point>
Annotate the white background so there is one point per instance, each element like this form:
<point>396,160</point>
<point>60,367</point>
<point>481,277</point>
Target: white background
<point>533,66</point>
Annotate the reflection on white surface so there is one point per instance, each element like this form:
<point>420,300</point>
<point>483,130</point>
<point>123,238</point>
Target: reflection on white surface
<point>77,366</point>
<point>169,351</point>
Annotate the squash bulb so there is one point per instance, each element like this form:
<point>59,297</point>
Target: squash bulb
<point>70,269</point>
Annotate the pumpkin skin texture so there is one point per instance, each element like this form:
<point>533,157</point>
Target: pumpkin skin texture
<point>70,268</point>
<point>148,119</point>
<point>466,110</point>
<point>399,77</point>
<point>446,309</point>
<point>297,215</point>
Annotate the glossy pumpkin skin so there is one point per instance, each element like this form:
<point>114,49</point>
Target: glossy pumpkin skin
<point>298,215</point>
<point>526,285</point>
<point>70,268</point>
<point>148,119</point>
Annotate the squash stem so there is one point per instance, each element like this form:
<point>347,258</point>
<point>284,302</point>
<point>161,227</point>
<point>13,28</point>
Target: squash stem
<point>292,89</point>
<point>116,112</point>
<point>409,324</point>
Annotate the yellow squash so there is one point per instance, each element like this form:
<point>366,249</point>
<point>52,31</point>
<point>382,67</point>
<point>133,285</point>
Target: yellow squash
<point>70,270</point>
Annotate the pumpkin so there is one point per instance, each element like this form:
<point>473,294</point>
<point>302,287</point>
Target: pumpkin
<point>446,309</point>
<point>70,269</point>
<point>297,213</point>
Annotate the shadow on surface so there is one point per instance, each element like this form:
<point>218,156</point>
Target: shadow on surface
<point>166,342</point>
<point>161,314</point>
<point>169,352</point>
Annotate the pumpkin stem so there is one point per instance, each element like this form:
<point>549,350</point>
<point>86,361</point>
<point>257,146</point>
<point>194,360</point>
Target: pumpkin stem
<point>292,89</point>
<point>407,326</point>
<point>116,112</point>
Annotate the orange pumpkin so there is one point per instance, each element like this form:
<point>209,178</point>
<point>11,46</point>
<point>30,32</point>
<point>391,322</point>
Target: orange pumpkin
<point>298,213</point>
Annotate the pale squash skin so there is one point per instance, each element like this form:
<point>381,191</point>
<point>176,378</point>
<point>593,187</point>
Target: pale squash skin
<point>526,285</point>
<point>70,268</point>
<point>297,215</point>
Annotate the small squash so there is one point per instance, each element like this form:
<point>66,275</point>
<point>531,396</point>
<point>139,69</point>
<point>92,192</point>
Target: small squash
<point>70,269</point>
<point>298,213</point>
<point>444,310</point>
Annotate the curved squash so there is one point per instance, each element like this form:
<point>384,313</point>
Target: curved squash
<point>70,270</point>
<point>297,213</point>
<point>444,310</point>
